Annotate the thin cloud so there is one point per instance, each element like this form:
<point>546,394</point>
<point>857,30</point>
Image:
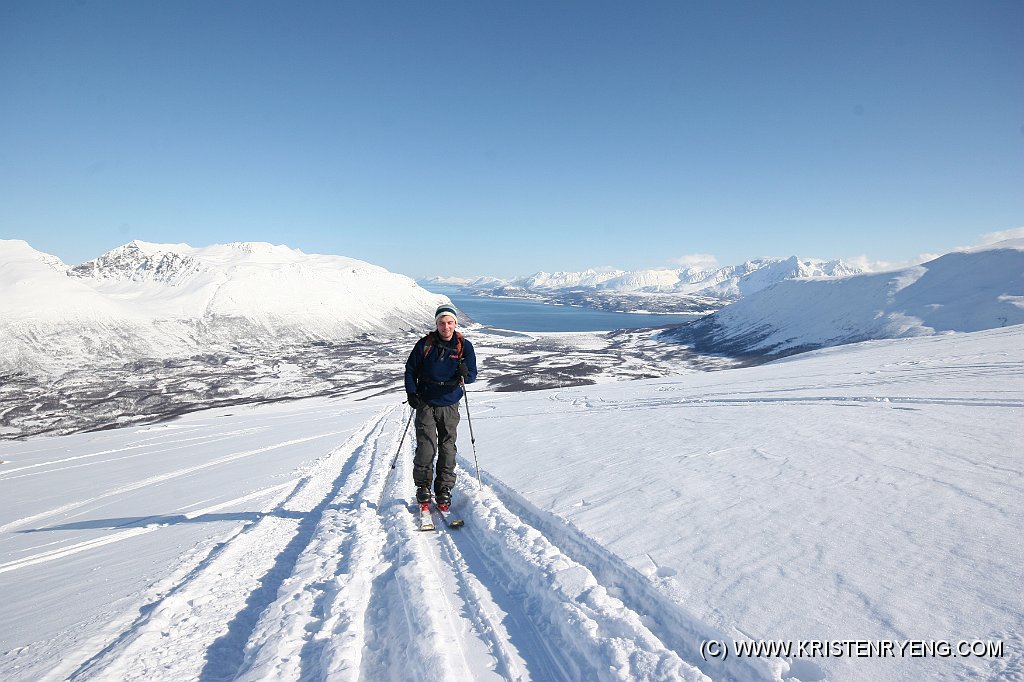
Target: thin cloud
<point>868,265</point>
<point>993,237</point>
<point>990,238</point>
<point>700,261</point>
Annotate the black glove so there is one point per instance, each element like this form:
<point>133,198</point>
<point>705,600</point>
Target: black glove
<point>414,401</point>
<point>463,370</point>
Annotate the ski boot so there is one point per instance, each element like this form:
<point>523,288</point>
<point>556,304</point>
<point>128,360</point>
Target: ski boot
<point>444,498</point>
<point>422,495</point>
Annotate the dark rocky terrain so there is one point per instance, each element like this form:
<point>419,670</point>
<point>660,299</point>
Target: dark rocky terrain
<point>152,390</point>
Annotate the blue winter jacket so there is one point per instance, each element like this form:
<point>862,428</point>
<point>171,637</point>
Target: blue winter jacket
<point>433,374</point>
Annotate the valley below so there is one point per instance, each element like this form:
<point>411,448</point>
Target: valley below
<point>154,390</point>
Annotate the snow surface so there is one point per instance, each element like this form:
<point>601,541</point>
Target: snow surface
<point>869,491</point>
<point>173,300</point>
<point>970,290</point>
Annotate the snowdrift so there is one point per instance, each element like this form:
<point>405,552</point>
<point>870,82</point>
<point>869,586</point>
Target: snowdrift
<point>963,291</point>
<point>169,300</point>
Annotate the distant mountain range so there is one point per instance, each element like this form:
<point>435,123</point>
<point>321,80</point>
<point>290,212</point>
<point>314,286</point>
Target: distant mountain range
<point>963,291</point>
<point>169,300</point>
<point>145,300</point>
<point>728,283</point>
<point>778,307</point>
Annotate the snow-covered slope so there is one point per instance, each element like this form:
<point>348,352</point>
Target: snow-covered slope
<point>981,288</point>
<point>35,286</point>
<point>866,493</point>
<point>274,287</point>
<point>162,300</point>
<point>727,283</point>
<point>49,319</point>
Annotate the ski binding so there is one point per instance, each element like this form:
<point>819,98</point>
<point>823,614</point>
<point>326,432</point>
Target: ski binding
<point>426,520</point>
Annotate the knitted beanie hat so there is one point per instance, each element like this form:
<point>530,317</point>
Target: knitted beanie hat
<point>445,309</point>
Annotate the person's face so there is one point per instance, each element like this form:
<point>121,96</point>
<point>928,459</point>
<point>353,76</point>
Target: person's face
<point>446,327</point>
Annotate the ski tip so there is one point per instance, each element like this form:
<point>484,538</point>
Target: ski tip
<point>457,523</point>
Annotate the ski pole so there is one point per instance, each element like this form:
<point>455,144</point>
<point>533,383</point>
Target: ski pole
<point>472,438</point>
<point>401,442</point>
<point>394,462</point>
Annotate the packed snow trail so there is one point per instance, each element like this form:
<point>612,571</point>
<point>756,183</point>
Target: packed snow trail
<point>213,610</point>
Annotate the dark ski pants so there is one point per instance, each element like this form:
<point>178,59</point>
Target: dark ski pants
<point>435,435</point>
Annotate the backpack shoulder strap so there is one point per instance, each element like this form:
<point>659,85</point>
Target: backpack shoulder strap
<point>429,343</point>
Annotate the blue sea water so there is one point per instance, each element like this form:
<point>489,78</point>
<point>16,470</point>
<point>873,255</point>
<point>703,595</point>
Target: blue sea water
<point>534,316</point>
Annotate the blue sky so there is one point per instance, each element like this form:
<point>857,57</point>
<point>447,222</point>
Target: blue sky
<point>504,138</point>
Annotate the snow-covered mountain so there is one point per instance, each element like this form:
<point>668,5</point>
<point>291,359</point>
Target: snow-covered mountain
<point>164,300</point>
<point>727,283</point>
<point>970,290</point>
<point>735,281</point>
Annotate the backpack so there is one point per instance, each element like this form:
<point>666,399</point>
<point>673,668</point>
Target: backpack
<point>429,338</point>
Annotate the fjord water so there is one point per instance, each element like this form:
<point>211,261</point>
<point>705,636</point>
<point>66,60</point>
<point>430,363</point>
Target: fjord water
<point>535,316</point>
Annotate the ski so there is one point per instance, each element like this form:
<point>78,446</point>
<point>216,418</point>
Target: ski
<point>451,523</point>
<point>426,520</point>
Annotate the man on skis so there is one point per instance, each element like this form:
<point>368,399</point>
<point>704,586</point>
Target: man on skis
<point>438,366</point>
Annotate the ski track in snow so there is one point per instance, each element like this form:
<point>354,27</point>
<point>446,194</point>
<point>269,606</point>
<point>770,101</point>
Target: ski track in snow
<point>141,444</point>
<point>334,580</point>
<point>160,478</point>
